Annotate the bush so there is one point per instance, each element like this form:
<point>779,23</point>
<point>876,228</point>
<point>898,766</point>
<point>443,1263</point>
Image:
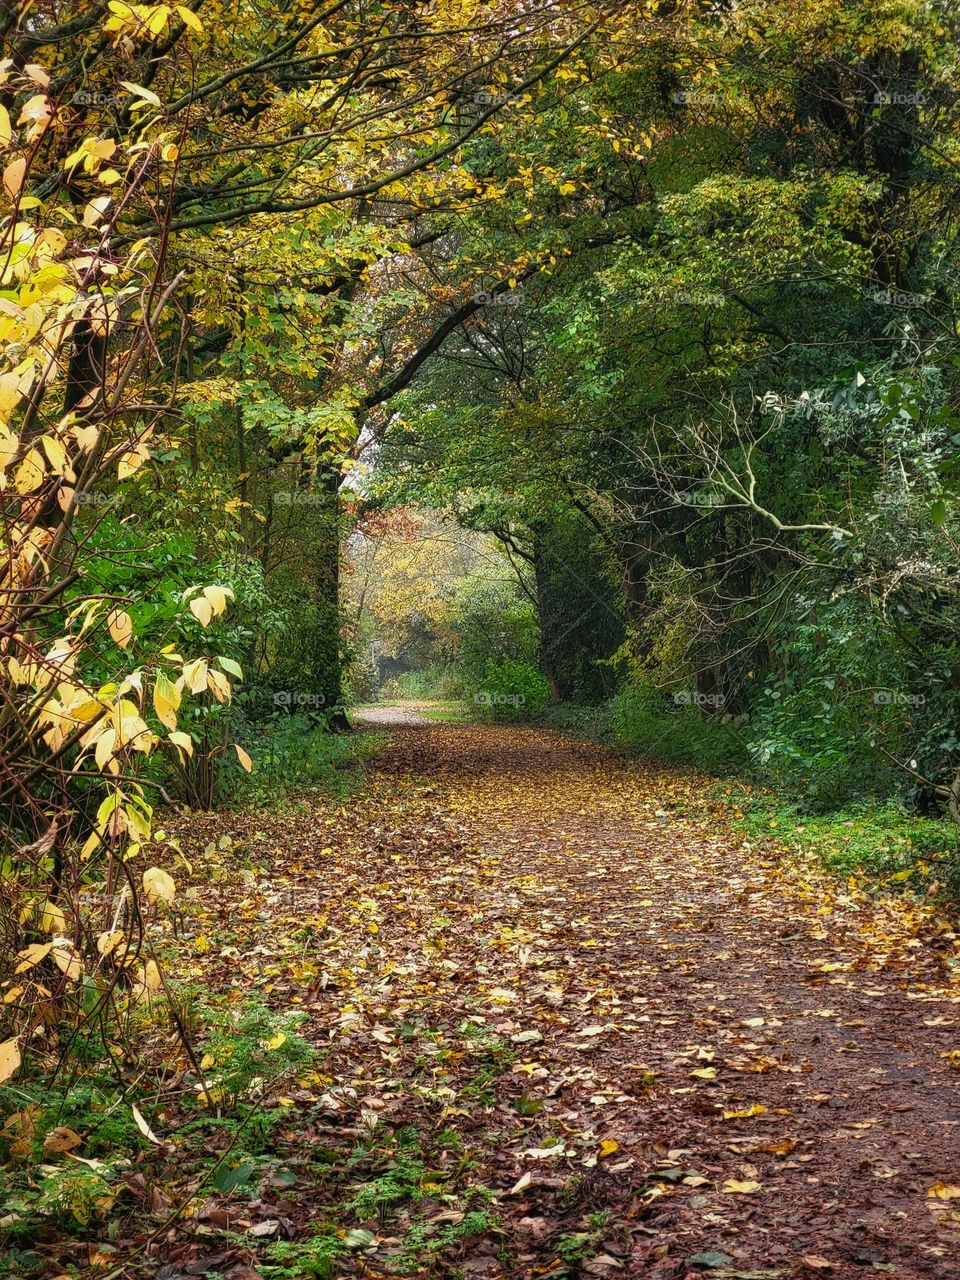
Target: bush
<point>431,685</point>
<point>592,722</point>
<point>495,623</point>
<point>512,689</point>
<point>643,719</point>
<point>290,753</point>
<point>814,745</point>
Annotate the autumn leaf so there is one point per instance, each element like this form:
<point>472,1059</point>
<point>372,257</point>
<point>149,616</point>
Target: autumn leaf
<point>9,1058</point>
<point>158,884</point>
<point>944,1191</point>
<point>61,1139</point>
<point>120,626</point>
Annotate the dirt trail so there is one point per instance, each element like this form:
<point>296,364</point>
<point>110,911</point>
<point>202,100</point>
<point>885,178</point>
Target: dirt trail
<point>714,1062</point>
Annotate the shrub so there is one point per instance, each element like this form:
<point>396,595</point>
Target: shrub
<point>643,719</point>
<point>512,689</point>
<point>290,753</point>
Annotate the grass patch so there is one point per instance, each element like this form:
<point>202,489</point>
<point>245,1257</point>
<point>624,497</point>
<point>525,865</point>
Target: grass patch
<point>447,712</point>
<point>883,840</point>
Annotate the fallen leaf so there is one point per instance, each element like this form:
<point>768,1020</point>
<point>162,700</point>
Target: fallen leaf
<point>944,1191</point>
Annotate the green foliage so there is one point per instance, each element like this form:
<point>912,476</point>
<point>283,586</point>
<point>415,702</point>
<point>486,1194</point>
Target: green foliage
<point>645,720</point>
<point>249,1046</point>
<point>401,1182</point>
<point>496,624</point>
<point>75,1195</point>
<point>881,838</point>
<point>593,722</point>
<point>511,689</point>
<point>315,1257</point>
<point>290,753</point>
<point>434,684</point>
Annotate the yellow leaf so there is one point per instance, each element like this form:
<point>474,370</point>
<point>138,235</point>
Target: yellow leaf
<point>757,1109</point>
<point>217,597</point>
<point>66,959</point>
<point>158,884</point>
<point>195,674</point>
<point>32,955</point>
<point>733,1187</point>
<point>120,627</point>
<point>189,18</point>
<point>108,942</point>
<point>201,609</point>
<point>148,980</point>
<point>182,740</point>
<point>106,741</point>
<point>166,701</point>
<point>158,18</point>
<point>608,1147</point>
<point>243,757</point>
<point>6,132</point>
<point>219,686</point>
<point>56,453</point>
<point>95,210</point>
<point>131,461</point>
<point>52,919</point>
<point>705,1073</point>
<point>9,1058</point>
<point>30,473</point>
<point>13,176</point>
<point>940,1191</point>
<point>139,91</point>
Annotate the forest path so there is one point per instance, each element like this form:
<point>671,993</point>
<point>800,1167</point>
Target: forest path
<point>401,713</point>
<point>665,1054</point>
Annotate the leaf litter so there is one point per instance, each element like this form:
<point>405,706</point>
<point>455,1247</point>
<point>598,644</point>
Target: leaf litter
<point>568,1024</point>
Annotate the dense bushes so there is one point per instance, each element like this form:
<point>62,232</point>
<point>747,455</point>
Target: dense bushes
<point>654,723</point>
<point>511,689</point>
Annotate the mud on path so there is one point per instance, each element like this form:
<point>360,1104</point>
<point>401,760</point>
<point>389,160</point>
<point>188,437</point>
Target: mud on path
<point>663,1054</point>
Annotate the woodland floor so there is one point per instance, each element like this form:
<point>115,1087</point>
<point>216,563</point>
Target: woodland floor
<point>570,1025</point>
